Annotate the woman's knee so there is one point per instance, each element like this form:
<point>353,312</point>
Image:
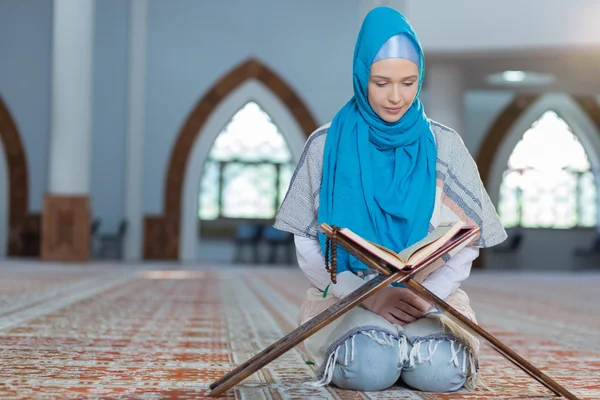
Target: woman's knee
<point>437,366</point>
<point>367,365</point>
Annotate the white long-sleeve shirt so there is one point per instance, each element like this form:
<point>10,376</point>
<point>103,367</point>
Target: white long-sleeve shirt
<point>442,282</point>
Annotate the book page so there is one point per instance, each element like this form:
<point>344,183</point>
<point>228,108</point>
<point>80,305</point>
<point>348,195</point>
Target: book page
<point>383,253</point>
<point>464,237</point>
<point>430,243</point>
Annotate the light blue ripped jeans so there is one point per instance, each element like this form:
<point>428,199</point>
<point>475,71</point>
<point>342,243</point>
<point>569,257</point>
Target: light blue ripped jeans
<point>423,358</point>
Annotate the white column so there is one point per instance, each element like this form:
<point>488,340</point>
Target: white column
<point>445,95</point>
<point>72,45</point>
<point>135,130</point>
<point>66,217</point>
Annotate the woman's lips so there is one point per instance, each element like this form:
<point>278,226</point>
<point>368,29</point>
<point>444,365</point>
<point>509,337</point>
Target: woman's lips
<point>393,110</point>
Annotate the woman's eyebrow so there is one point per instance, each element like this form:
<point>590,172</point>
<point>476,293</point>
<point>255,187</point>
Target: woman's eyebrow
<point>389,79</point>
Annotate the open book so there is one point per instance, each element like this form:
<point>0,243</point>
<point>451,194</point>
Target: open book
<point>441,237</point>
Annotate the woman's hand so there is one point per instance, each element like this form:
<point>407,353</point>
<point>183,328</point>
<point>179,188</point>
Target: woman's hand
<point>397,305</point>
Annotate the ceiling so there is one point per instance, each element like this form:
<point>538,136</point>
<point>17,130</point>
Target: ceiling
<point>577,71</point>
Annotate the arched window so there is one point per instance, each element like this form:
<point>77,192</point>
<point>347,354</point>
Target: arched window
<point>549,182</point>
<point>248,169</point>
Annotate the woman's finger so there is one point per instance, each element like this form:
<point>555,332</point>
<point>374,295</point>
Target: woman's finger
<point>390,318</point>
<point>409,309</point>
<point>415,301</point>
<point>402,316</point>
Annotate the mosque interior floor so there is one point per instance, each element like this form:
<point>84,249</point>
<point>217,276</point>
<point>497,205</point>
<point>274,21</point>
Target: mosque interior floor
<point>166,331</point>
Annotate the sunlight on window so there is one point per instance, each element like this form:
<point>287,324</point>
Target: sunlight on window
<point>548,183</point>
<point>248,169</point>
<point>251,136</point>
<point>549,145</point>
<point>249,190</point>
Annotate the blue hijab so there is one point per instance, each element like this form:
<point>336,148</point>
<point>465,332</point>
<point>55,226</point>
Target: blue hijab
<point>378,177</point>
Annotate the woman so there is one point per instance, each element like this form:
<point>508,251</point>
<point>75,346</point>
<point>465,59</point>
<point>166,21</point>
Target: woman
<point>387,172</point>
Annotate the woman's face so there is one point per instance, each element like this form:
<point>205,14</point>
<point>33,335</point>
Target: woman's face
<point>392,87</point>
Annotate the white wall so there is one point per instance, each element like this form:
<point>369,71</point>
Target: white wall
<point>184,61</point>
<point>475,25</point>
<point>191,44</point>
<point>25,37</point>
<point>110,113</point>
<point>481,110</point>
<point>25,41</point>
<point>544,249</point>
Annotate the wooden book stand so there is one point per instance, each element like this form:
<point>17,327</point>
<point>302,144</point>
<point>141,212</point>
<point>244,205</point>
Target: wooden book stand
<point>389,274</point>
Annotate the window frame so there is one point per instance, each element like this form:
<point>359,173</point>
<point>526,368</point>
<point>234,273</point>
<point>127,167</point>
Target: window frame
<point>221,163</point>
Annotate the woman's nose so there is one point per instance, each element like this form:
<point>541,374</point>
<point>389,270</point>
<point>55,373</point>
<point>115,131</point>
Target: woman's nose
<point>394,96</point>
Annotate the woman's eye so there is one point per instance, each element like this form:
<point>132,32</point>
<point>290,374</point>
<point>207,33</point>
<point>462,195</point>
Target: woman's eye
<point>381,84</point>
<point>408,84</point>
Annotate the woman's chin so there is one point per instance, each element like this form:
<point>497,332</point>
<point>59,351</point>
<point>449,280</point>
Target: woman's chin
<point>391,118</point>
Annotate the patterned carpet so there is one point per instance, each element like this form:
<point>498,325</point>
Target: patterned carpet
<point>157,332</point>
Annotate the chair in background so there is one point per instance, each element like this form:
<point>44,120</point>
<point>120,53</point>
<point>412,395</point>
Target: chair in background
<point>95,226</point>
<point>505,256</point>
<point>247,235</point>
<point>277,240</point>
<point>588,258</point>
<point>29,236</point>
<point>111,245</point>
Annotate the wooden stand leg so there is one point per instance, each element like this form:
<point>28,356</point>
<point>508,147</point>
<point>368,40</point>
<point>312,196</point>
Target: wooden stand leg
<point>494,343</point>
<point>302,333</point>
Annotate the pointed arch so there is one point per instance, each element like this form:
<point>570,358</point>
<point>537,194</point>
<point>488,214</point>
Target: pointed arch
<point>518,118</point>
<point>590,106</point>
<point>582,113</point>
<point>18,183</point>
<point>497,133</point>
<point>162,233</point>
